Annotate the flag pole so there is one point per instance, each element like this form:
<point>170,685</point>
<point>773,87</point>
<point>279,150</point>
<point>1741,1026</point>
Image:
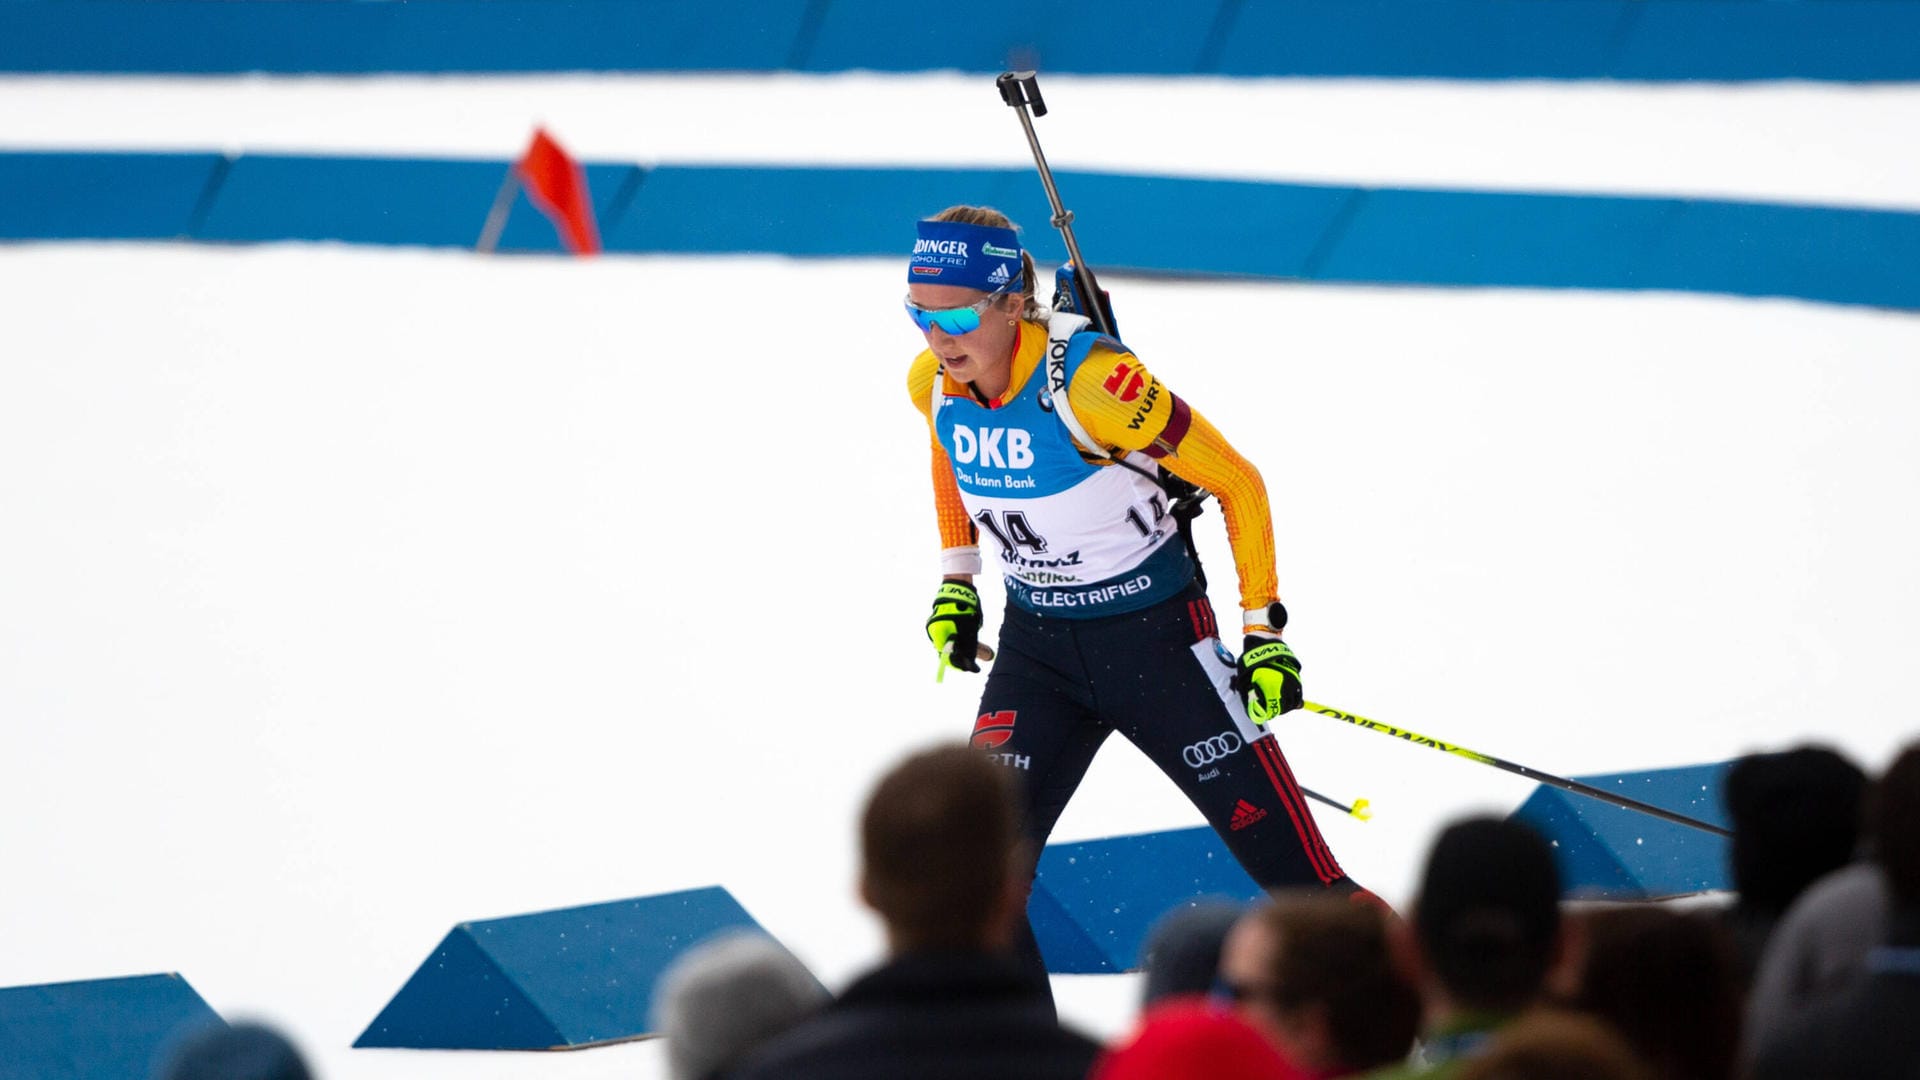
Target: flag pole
<point>497,217</point>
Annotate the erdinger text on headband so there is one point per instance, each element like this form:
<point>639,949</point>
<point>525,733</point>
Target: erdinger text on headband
<point>971,256</point>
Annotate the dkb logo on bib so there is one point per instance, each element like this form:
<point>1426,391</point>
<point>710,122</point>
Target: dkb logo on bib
<point>986,447</point>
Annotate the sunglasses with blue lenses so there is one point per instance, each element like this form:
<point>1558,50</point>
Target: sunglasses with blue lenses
<point>955,321</point>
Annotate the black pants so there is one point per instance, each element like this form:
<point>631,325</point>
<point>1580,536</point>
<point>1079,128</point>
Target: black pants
<point>1159,677</point>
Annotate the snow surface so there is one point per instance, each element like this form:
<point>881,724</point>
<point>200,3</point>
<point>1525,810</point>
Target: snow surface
<point>346,594</point>
<point>1792,142</point>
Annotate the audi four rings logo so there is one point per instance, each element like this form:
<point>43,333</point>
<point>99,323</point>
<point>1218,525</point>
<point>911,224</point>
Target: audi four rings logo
<point>1214,749</point>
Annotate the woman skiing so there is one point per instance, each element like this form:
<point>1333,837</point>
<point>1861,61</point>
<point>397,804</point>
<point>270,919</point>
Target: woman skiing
<point>1050,440</point>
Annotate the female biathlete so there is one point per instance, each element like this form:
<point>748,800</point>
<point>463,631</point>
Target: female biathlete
<point>1048,439</point>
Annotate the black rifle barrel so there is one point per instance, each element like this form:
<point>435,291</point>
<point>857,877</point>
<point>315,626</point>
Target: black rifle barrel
<point>1021,90</point>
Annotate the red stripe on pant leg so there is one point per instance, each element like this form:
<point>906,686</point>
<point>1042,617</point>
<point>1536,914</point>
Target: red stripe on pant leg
<point>1204,625</point>
<point>1309,829</point>
<point>1333,863</point>
<point>1310,836</point>
<point>1325,851</point>
<point>1295,810</point>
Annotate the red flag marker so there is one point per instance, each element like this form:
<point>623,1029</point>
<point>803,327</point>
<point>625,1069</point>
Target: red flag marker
<point>556,184</point>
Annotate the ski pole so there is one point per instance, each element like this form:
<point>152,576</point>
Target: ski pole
<point>1560,782</point>
<point>982,651</point>
<point>1361,808</point>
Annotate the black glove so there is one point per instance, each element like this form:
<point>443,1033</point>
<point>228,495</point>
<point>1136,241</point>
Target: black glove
<point>1268,678</point>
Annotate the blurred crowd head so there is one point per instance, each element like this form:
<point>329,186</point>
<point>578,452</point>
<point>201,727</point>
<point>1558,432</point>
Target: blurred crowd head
<point>939,850</point>
<point>1796,816</point>
<point>1488,915</point>
<point>1316,974</point>
<point>726,997</point>
<point>245,1051</point>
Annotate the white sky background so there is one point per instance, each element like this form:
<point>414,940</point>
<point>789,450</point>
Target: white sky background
<point>346,594</point>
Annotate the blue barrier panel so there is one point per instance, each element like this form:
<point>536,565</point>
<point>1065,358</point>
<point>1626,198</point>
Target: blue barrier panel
<point>382,201</point>
<point>1183,226</point>
<point>1191,226</point>
<point>1474,238</point>
<point>1159,225</point>
<point>103,1029</point>
<point>1848,40</point>
<point>1094,901</point>
<point>1138,37</point>
<point>1155,225</point>
<point>800,211</point>
<point>102,196</point>
<point>1609,852</point>
<point>225,36</point>
<point>1482,39</point>
<point>1843,40</point>
<point>1817,253</point>
<point>551,980</point>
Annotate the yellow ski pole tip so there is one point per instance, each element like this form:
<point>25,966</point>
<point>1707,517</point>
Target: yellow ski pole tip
<point>1362,809</point>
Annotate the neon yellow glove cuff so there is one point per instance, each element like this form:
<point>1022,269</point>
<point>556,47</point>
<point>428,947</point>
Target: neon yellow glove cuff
<point>1264,703</point>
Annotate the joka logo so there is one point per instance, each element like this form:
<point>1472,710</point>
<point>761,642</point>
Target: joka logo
<point>1000,276</point>
<point>984,445</point>
<point>1245,814</point>
<point>1211,750</point>
<point>993,729</point>
<point>1125,383</point>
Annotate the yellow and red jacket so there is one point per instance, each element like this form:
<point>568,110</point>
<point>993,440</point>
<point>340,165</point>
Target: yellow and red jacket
<point>1126,410</point>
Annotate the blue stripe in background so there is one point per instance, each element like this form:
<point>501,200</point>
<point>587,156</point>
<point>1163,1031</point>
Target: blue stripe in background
<point>1146,224</point>
<point>102,196</point>
<point>1843,40</point>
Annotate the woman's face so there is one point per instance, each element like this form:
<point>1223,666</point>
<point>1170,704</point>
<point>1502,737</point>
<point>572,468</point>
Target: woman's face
<point>982,351</point>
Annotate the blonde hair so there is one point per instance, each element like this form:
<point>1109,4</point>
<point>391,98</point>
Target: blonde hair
<point>1031,308</point>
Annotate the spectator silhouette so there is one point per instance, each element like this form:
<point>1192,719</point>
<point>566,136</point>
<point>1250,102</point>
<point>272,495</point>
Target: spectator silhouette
<point>942,865</point>
<point>1819,949</point>
<point>1486,935</point>
<point>1182,952</point>
<point>1556,1046</point>
<point>1189,1039</point>
<point>1869,1032</point>
<point>725,998</point>
<point>1316,976</point>
<point>240,1052</point>
<point>1796,818</point>
<point>1669,982</point>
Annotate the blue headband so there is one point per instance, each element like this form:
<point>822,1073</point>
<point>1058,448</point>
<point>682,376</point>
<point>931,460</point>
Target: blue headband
<point>975,256</point>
